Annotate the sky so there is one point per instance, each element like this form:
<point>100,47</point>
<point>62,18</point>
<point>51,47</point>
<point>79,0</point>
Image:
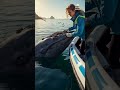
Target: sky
<point>56,8</point>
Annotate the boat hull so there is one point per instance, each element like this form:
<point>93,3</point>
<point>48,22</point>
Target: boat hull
<point>78,64</point>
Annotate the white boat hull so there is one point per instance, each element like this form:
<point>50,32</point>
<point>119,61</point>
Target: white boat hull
<point>77,63</point>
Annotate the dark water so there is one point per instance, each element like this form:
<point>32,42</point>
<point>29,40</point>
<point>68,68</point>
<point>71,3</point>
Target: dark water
<point>64,66</point>
<point>15,14</point>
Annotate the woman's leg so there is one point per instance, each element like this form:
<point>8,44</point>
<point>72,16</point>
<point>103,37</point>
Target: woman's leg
<point>114,51</point>
<point>82,50</point>
<point>104,40</point>
<point>78,44</point>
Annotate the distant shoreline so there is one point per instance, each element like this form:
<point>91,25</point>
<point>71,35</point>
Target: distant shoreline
<point>53,19</point>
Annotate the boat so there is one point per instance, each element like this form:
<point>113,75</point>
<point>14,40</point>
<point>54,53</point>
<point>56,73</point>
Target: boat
<point>97,77</point>
<point>77,63</point>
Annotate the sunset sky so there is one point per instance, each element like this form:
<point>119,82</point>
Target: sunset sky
<point>56,8</point>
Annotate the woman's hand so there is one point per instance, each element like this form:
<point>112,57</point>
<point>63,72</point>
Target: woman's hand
<point>69,34</point>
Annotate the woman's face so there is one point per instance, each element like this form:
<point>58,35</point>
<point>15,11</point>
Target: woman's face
<point>71,12</point>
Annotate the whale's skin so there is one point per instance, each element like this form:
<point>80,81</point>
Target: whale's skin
<point>53,46</point>
<point>17,60</point>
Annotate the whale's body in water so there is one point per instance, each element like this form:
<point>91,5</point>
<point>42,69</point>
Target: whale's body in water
<point>53,46</point>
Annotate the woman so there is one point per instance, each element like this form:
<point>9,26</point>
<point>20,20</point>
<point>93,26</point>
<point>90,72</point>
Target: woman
<point>78,19</point>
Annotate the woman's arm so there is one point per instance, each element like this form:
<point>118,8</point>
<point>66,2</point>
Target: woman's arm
<point>72,28</point>
<point>80,28</point>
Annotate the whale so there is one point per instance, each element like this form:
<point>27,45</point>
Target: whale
<point>53,45</point>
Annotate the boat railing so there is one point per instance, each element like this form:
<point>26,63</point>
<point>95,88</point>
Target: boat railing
<point>96,77</point>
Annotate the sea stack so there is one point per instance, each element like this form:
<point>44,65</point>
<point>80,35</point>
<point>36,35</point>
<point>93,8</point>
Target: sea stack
<point>52,17</point>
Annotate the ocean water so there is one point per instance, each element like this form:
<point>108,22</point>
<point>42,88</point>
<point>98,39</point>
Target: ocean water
<point>15,14</point>
<point>46,28</point>
<point>62,62</point>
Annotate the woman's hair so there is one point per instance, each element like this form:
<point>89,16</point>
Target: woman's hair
<point>72,7</point>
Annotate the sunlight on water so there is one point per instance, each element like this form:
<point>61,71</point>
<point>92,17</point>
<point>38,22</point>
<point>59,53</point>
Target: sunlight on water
<point>46,28</point>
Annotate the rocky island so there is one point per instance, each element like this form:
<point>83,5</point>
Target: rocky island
<point>52,17</point>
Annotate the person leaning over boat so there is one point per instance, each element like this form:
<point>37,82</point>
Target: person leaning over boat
<point>110,16</point>
<point>78,19</point>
